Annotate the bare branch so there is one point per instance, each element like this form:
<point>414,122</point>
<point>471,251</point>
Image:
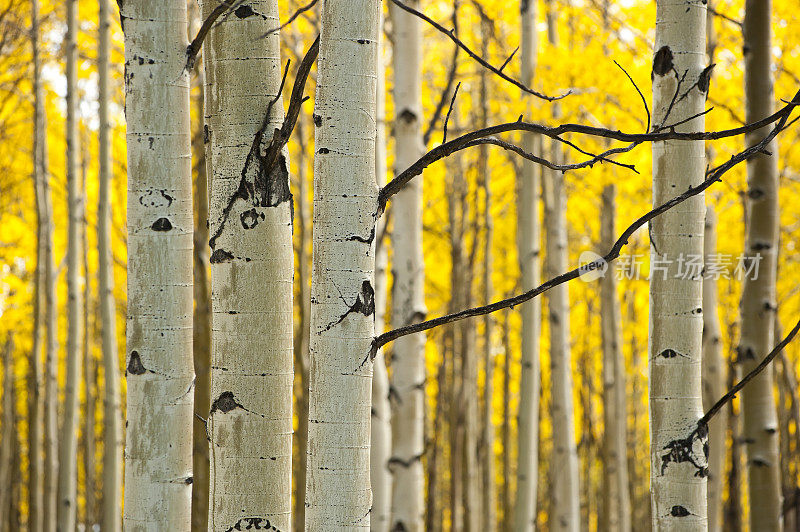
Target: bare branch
<point>476,57</point>
<point>451,77</point>
<point>449,110</point>
<point>291,19</point>
<point>208,23</point>
<point>712,176</point>
<point>635,86</point>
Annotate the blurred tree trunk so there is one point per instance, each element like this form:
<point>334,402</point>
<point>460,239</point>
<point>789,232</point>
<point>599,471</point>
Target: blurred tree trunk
<point>250,421</point>
<point>112,409</point>
<point>713,378</point>
<point>528,246</point>
<point>89,378</point>
<point>408,304</point>
<point>160,372</point>
<point>8,433</point>
<point>342,292</point>
<point>616,504</point>
<point>677,462</point>
<point>68,448</point>
<point>381,428</point>
<point>758,292</point>
<point>201,318</point>
<point>36,383</point>
<point>505,494</point>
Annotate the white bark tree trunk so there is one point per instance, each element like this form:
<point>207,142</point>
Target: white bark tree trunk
<point>112,411</point>
<point>160,376</point>
<point>528,246</point>
<point>714,379</point>
<point>8,434</point>
<point>408,302</point>
<point>677,462</point>
<point>616,507</point>
<point>68,449</point>
<point>342,297</point>
<point>250,422</point>
<point>758,295</point>
<point>37,381</point>
<point>381,429</point>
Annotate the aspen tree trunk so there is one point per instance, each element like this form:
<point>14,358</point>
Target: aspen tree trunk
<point>408,303</point>
<point>158,448</point>
<point>201,319</point>
<point>338,494</point>
<point>616,502</point>
<point>677,462</point>
<point>112,411</point>
<point>758,305</point>
<point>505,495</point>
<point>713,379</point>
<point>250,422</point>
<point>301,337</point>
<point>89,380</point>
<point>528,246</point>
<point>381,428</point>
<point>486,449</point>
<point>37,381</point>
<point>67,472</point>
<point>564,461</point>
<point>7,434</point>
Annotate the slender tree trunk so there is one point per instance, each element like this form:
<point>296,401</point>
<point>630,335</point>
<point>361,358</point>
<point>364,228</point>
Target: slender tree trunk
<point>7,434</point>
<point>160,401</point>
<point>505,496</point>
<point>758,292</point>
<point>302,339</point>
<point>35,395</point>
<point>201,319</point>
<point>713,379</point>
<point>67,472</point>
<point>381,428</point>
<point>525,507</point>
<point>677,462</point>
<point>734,507</point>
<point>89,380</point>
<point>112,411</point>
<point>486,449</point>
<point>338,495</point>
<point>616,502</point>
<point>250,422</point>
<point>408,304</point>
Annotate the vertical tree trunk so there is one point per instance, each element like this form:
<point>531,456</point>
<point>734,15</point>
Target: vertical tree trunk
<point>112,411</point>
<point>713,379</point>
<point>616,503</point>
<point>342,295</point>
<point>250,422</point>
<point>677,462</point>
<point>525,507</point>
<point>7,434</point>
<point>158,448</point>
<point>35,395</point>
<point>758,294</point>
<point>486,449</point>
<point>201,318</point>
<point>89,380</point>
<point>408,304</point>
<point>67,472</point>
<point>381,428</point>
<point>505,496</point>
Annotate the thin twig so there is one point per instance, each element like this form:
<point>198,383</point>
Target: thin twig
<point>291,19</point>
<point>635,86</point>
<point>449,110</point>
<point>451,77</point>
<point>712,176</point>
<point>476,57</point>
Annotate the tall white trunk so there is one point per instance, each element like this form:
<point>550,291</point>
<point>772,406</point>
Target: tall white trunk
<point>37,381</point>
<point>160,376</point>
<point>112,414</point>
<point>677,462</point>
<point>408,303</point>
<point>68,449</point>
<point>565,509</point>
<point>381,429</point>
<point>758,294</point>
<point>616,507</point>
<point>250,422</point>
<point>338,494</point>
<point>528,246</point>
<point>714,379</point>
